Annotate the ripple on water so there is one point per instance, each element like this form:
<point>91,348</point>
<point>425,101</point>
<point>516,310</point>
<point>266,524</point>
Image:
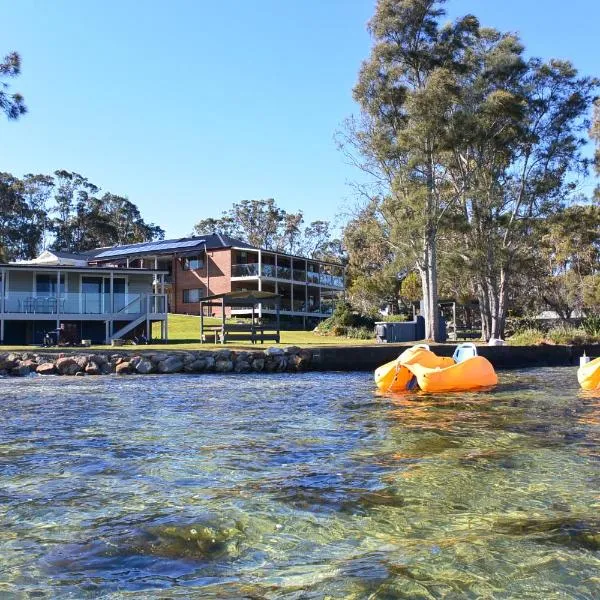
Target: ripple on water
<point>298,486</point>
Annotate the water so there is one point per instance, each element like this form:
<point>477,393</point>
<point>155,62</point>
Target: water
<point>298,486</point>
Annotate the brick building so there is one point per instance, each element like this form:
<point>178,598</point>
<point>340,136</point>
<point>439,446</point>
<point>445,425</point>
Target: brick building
<point>215,263</point>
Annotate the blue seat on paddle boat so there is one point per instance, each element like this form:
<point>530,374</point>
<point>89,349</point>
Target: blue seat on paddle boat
<point>464,351</point>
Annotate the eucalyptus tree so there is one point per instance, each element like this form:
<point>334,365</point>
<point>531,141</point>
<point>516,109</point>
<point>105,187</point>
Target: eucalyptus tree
<point>408,91</point>
<point>516,164</point>
<point>12,105</point>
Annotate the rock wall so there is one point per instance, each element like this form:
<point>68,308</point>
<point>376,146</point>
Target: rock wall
<point>21,364</point>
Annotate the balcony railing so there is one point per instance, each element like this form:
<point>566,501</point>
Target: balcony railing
<point>82,303</point>
<point>312,277</point>
<point>288,274</point>
<point>245,270</point>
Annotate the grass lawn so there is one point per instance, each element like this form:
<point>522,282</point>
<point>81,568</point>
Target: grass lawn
<point>184,331</point>
<point>184,334</point>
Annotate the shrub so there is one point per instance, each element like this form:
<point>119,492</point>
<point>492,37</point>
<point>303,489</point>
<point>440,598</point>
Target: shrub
<point>527,337</point>
<point>567,334</point>
<point>591,325</point>
<point>343,317</point>
<point>395,318</point>
<point>360,333</point>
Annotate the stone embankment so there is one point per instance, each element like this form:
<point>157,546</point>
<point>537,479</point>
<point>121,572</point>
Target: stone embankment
<point>21,364</point>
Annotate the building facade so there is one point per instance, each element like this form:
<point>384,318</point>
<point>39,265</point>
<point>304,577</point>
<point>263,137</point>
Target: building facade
<point>75,302</point>
<point>112,293</point>
<point>215,264</point>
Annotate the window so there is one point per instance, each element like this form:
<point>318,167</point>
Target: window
<point>46,284</point>
<point>192,263</point>
<point>193,295</point>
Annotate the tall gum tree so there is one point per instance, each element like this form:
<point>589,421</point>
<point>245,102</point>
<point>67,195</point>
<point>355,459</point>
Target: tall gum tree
<point>407,91</point>
<point>517,163</point>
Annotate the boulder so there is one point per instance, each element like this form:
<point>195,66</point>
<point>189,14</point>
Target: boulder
<point>81,360</point>
<point>31,363</point>
<point>67,366</point>
<point>242,366</point>
<point>123,368</point>
<point>99,359</point>
<point>47,368</point>
<point>21,370</point>
<point>171,364</point>
<point>291,349</point>
<point>6,363</point>
<point>210,362</point>
<point>258,364</point>
<point>144,367</point>
<point>92,368</point>
<point>274,351</point>
<point>196,366</point>
<point>223,355</point>
<point>223,366</point>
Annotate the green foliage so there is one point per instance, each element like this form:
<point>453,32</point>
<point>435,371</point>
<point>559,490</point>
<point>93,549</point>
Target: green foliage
<point>346,322</point>
<point>360,333</point>
<point>470,146</point>
<point>591,325</point>
<point>527,337</point>
<point>264,224</point>
<point>561,334</point>
<point>401,318</point>
<point>12,105</point>
<point>568,335</point>
<point>411,289</point>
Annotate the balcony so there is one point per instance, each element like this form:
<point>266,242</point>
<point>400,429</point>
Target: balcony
<point>245,270</point>
<point>26,303</point>
<point>288,274</point>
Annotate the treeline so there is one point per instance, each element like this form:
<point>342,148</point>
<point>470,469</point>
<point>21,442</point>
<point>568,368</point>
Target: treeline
<point>264,224</point>
<point>65,211</point>
<point>473,153</point>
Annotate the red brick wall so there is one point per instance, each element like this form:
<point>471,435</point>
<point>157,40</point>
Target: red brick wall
<point>219,281</point>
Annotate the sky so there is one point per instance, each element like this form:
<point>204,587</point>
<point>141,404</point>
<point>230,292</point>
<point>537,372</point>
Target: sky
<point>188,106</point>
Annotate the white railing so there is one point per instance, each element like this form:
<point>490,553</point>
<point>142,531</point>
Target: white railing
<point>74,303</point>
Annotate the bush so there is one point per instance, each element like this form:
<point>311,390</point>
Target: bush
<point>527,337</point>
<point>591,325</point>
<point>567,334</point>
<point>395,318</point>
<point>342,319</point>
<point>360,333</point>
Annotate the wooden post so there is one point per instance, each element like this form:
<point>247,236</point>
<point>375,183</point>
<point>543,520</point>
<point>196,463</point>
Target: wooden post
<point>454,319</point>
<point>277,310</point>
<point>223,320</point>
<point>201,323</point>
<point>112,292</point>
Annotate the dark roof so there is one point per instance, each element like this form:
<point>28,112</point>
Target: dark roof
<point>90,268</point>
<point>213,241</point>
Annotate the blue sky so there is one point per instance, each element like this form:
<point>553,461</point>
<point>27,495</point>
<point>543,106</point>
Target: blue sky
<point>188,106</point>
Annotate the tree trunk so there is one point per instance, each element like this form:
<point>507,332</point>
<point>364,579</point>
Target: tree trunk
<point>434,313</point>
<point>428,272</point>
<point>499,322</point>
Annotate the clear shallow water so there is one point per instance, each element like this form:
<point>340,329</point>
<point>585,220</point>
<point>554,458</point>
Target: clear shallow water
<point>298,486</point>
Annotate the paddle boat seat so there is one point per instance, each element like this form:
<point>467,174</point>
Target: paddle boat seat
<point>464,351</point>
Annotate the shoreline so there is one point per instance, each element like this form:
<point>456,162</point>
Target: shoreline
<point>291,359</point>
